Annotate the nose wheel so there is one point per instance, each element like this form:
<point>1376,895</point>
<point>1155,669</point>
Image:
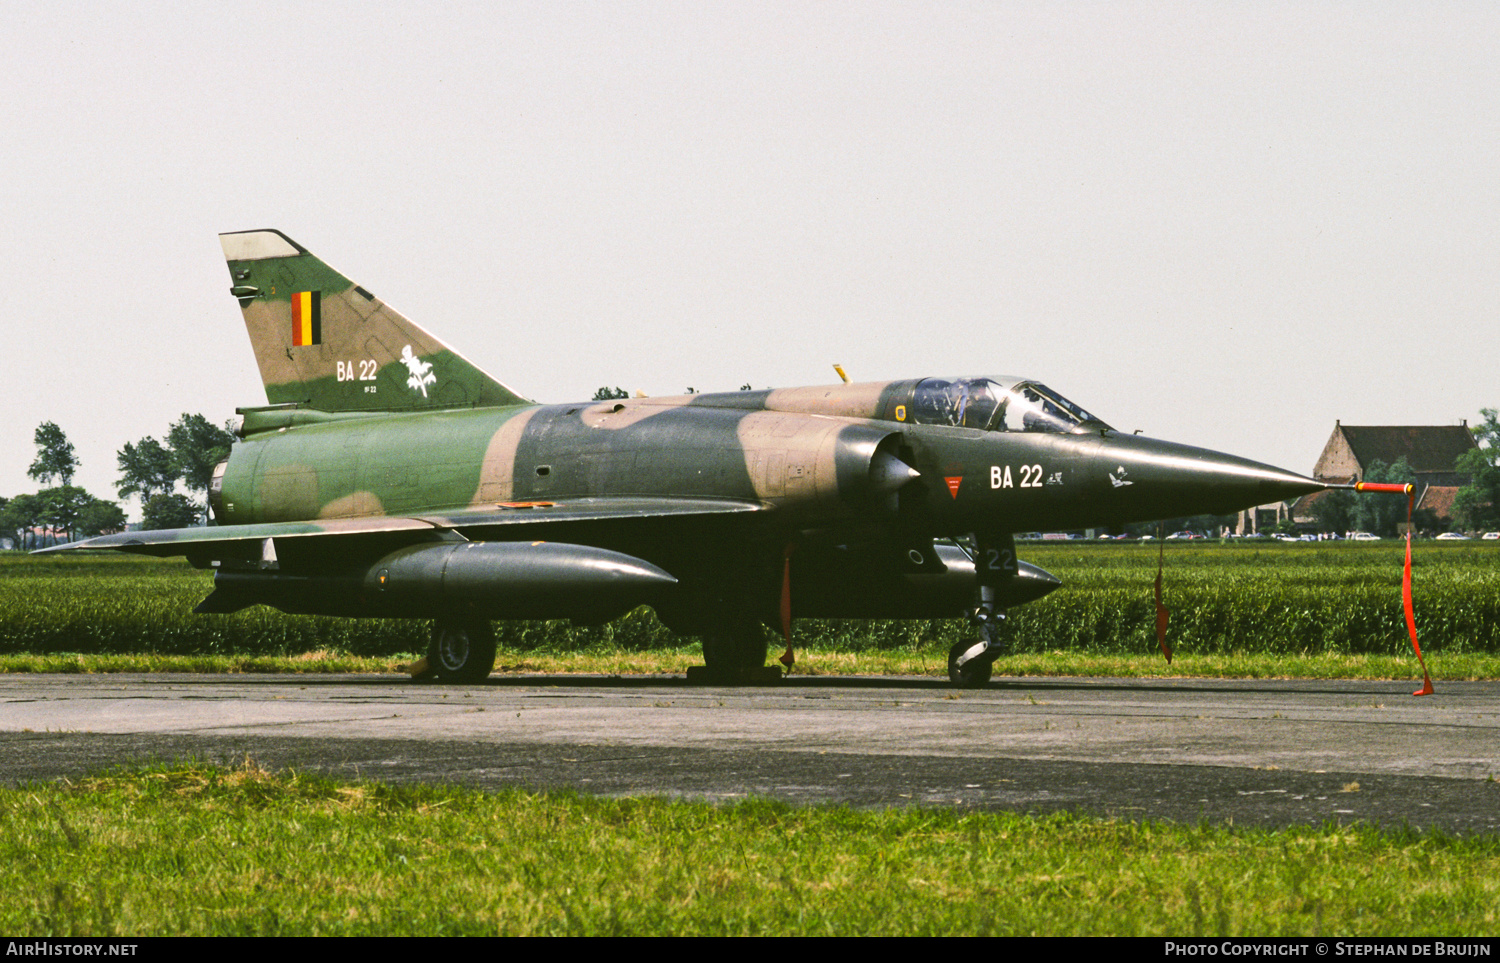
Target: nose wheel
<point>967,668</point>
<point>972,661</point>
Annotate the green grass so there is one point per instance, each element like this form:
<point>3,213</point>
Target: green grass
<point>207,851</point>
<point>1228,603</point>
<point>810,662</point>
<point>200,850</point>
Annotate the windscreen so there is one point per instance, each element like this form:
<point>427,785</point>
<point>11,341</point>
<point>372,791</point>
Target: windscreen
<point>998,404</point>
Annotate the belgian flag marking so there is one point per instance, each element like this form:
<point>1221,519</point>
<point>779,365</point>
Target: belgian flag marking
<point>307,318</point>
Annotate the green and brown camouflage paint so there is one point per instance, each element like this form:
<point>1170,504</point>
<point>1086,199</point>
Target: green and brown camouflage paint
<point>383,450</point>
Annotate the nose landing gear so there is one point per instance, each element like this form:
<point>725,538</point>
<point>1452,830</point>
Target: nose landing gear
<point>972,662</point>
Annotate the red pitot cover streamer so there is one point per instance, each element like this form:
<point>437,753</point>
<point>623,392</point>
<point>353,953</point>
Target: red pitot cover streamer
<point>1411,621</point>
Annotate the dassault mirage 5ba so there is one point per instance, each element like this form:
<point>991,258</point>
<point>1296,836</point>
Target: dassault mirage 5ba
<point>388,476</point>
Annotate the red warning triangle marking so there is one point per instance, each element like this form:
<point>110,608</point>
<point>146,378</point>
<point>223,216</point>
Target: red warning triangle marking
<point>953,481</point>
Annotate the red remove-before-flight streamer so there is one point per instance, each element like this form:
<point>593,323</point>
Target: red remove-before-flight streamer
<point>1411,622</point>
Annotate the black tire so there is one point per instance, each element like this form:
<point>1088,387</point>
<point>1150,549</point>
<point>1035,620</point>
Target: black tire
<point>461,651</point>
<point>731,648</point>
<point>974,674</point>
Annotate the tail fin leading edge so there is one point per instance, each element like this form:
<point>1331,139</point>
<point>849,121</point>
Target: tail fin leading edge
<point>324,341</point>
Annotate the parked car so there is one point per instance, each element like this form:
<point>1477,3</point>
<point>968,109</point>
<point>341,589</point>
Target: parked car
<point>1453,537</point>
<point>1363,537</point>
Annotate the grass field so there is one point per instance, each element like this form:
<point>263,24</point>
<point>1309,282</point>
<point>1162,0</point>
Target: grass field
<point>201,850</point>
<point>1227,602</point>
<point>814,661</point>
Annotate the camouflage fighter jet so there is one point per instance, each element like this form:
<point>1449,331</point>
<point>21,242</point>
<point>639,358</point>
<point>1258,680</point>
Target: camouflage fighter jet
<point>391,477</point>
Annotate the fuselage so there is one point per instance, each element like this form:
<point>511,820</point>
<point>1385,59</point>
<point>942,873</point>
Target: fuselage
<point>825,456</point>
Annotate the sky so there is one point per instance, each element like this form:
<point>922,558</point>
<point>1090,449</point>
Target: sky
<point>1222,224</point>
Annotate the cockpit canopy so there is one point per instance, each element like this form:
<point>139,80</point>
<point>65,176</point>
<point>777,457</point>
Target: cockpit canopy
<point>997,404</point>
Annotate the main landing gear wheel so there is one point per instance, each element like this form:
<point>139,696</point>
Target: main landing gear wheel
<point>734,654</point>
<point>461,651</point>
<point>735,647</point>
<point>975,672</point>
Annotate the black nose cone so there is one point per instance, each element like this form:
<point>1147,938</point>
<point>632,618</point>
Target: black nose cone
<point>1147,478</point>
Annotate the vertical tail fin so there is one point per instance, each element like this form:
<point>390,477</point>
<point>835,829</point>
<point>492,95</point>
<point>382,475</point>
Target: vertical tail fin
<point>324,341</point>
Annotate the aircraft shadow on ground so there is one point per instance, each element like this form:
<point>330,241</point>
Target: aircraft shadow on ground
<point>1381,688</point>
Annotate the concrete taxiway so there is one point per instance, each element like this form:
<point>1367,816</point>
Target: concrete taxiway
<point>1257,752</point>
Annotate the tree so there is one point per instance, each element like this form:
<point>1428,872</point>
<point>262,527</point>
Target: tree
<point>61,507</point>
<point>1380,513</point>
<point>1334,511</point>
<point>607,393</point>
<point>66,509</point>
<point>169,511</point>
<point>198,445</point>
<point>54,455</point>
<point>146,469</point>
<point>1487,432</point>
<point>99,517</point>
<point>1477,504</point>
<point>19,520</point>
